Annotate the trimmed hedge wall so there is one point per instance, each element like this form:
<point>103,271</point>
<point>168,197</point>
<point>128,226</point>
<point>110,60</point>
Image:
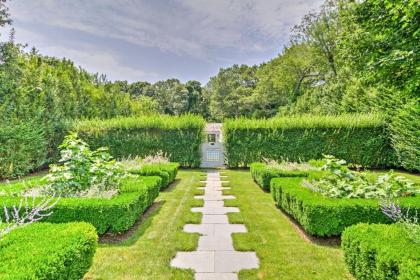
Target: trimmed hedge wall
<point>117,214</point>
<point>263,174</point>
<point>324,216</point>
<point>48,251</point>
<point>380,252</point>
<point>166,171</point>
<point>179,137</point>
<point>358,139</point>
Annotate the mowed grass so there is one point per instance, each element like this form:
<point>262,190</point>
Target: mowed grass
<point>283,251</point>
<point>147,254</point>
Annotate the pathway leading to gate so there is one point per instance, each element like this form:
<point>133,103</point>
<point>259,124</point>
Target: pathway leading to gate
<point>215,258</point>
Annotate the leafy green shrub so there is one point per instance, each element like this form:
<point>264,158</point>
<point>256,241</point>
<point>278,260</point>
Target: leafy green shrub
<point>359,139</point>
<point>340,182</point>
<point>48,251</point>
<point>179,137</point>
<point>81,169</point>
<point>263,173</point>
<point>167,171</point>
<point>23,148</point>
<point>323,216</point>
<point>117,214</point>
<point>405,135</point>
<point>380,252</point>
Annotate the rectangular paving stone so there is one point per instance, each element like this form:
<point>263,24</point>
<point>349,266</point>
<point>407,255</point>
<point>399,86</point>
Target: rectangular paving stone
<point>216,276</point>
<point>215,210</point>
<point>228,229</point>
<point>233,261</point>
<point>202,261</point>
<point>215,219</point>
<point>214,197</point>
<point>203,229</point>
<point>215,243</point>
<point>214,203</point>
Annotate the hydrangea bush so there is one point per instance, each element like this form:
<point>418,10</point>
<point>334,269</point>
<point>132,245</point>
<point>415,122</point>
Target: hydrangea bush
<point>82,172</point>
<point>340,182</point>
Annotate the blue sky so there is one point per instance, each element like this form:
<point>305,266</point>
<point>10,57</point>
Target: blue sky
<point>155,39</point>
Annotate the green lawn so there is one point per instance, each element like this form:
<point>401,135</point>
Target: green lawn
<point>283,252</point>
<point>146,255</point>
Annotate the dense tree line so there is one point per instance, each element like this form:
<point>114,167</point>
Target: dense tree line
<point>350,56</point>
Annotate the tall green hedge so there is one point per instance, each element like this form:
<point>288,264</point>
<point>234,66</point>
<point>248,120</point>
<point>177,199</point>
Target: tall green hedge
<point>48,251</point>
<point>166,171</point>
<point>405,135</point>
<point>117,214</point>
<point>179,137</point>
<point>359,139</point>
<point>23,148</point>
<point>380,252</point>
<point>324,216</point>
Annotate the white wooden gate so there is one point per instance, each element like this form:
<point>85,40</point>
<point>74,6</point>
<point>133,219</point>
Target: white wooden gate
<point>212,151</point>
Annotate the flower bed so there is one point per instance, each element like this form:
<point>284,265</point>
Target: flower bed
<point>48,251</point>
<point>380,252</point>
<point>116,214</point>
<point>324,216</point>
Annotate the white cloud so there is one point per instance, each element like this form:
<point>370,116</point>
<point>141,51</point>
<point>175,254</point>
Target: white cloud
<point>183,27</point>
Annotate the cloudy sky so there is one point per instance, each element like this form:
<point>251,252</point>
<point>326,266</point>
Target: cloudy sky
<point>158,39</point>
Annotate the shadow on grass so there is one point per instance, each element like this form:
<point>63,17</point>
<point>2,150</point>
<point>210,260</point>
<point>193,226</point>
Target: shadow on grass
<point>333,242</point>
<point>172,186</point>
<point>131,236</point>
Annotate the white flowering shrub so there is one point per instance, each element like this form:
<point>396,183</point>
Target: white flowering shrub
<point>81,169</point>
<point>340,182</point>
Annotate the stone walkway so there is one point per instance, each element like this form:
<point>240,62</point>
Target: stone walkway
<point>215,258</point>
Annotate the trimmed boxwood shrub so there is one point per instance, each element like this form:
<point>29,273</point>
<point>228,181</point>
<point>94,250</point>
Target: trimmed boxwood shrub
<point>263,174</point>
<point>358,139</point>
<point>380,252</point>
<point>166,171</point>
<point>48,251</point>
<point>179,137</point>
<point>324,216</point>
<point>117,214</point>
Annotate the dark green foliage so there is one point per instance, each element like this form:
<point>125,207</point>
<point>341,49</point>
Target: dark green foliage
<point>166,171</point>
<point>323,216</point>
<point>358,139</point>
<point>22,149</point>
<point>380,252</point>
<point>48,251</point>
<point>117,214</point>
<point>179,137</point>
<point>263,174</point>
<point>405,135</point>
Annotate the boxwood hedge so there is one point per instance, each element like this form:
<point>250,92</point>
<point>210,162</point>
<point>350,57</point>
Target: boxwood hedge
<point>324,216</point>
<point>179,137</point>
<point>380,252</point>
<point>359,139</point>
<point>117,214</point>
<point>166,171</point>
<point>262,174</point>
<point>48,251</point>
